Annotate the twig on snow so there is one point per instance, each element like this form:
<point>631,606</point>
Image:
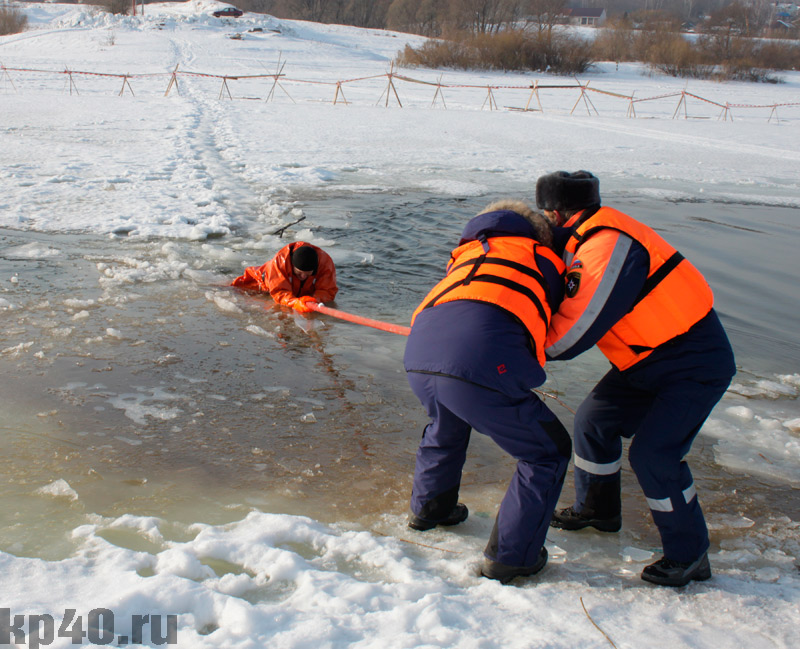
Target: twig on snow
<point>595,624</point>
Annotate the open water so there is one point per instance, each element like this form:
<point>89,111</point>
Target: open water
<point>135,375</point>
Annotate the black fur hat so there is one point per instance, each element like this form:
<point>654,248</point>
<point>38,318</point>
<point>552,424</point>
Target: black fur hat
<point>565,191</point>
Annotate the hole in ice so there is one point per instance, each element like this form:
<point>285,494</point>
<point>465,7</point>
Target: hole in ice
<point>130,540</point>
<point>221,567</point>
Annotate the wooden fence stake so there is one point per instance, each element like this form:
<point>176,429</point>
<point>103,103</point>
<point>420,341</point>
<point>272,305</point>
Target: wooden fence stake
<point>587,102</point>
<point>490,99</point>
<point>125,83</point>
<point>339,91</point>
<point>224,87</point>
<point>631,108</point>
<point>774,112</point>
<point>534,91</point>
<point>439,93</point>
<point>678,107</point>
<point>6,75</point>
<point>173,81</point>
<point>275,82</point>
<point>391,87</point>
<point>71,82</point>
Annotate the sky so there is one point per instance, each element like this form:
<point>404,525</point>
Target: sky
<point>198,164</point>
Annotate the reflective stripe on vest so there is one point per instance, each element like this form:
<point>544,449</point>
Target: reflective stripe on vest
<point>674,297</point>
<point>501,271</point>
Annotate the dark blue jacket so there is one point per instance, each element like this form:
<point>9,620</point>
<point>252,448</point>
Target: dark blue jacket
<point>476,341</point>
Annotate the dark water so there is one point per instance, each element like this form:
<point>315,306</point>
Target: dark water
<point>163,392</point>
<point>748,253</point>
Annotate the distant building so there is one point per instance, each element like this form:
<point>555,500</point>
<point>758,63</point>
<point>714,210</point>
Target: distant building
<point>590,17</point>
<point>785,17</point>
<point>790,8</point>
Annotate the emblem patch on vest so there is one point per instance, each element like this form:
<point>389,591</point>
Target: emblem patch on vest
<point>573,283</point>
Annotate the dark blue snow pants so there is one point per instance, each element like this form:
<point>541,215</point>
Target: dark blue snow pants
<point>523,427</point>
<point>662,407</point>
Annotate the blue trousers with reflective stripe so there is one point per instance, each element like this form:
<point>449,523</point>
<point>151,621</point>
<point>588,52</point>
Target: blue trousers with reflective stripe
<point>663,416</point>
<point>523,427</point>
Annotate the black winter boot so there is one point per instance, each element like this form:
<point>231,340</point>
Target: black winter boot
<point>569,519</point>
<point>503,573</point>
<point>666,572</point>
<point>601,509</point>
<point>457,515</point>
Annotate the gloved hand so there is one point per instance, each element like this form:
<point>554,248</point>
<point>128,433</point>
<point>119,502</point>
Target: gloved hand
<point>299,303</point>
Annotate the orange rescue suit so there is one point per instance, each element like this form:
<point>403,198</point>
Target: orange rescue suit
<point>675,295</point>
<point>502,271</point>
<point>277,277</point>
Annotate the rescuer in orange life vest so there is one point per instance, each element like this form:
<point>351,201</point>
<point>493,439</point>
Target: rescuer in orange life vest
<point>650,312</point>
<point>474,354</point>
<point>298,273</point>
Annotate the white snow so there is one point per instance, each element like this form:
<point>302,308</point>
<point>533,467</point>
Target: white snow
<point>145,165</point>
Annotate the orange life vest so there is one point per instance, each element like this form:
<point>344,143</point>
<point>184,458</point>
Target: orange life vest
<point>501,271</point>
<point>674,297</point>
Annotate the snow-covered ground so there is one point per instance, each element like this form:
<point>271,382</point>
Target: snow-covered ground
<point>199,166</point>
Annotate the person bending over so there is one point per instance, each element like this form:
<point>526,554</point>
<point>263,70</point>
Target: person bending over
<point>651,313</point>
<point>473,357</point>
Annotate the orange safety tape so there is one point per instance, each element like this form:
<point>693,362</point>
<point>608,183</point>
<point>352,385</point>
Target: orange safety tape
<point>67,71</point>
<point>761,105</point>
<point>606,92</point>
<point>672,94</point>
<point>425,83</point>
<point>374,76</point>
<point>708,101</point>
<point>319,83</point>
<point>528,87</point>
<point>227,76</point>
<point>400,77</point>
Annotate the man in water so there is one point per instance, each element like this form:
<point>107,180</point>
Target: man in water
<point>298,273</point>
<point>474,354</point>
<point>650,312</point>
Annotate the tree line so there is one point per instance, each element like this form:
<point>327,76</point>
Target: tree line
<point>446,17</point>
<point>521,34</point>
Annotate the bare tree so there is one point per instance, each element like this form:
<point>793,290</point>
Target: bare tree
<point>483,16</point>
<point>416,16</point>
<point>336,11</point>
<point>12,21</point>
<point>367,13</point>
<point>313,10</point>
<point>735,18</point>
<point>543,15</point>
<point>256,6</point>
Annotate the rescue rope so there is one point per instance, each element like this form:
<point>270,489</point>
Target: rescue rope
<point>395,329</point>
<point>357,319</point>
